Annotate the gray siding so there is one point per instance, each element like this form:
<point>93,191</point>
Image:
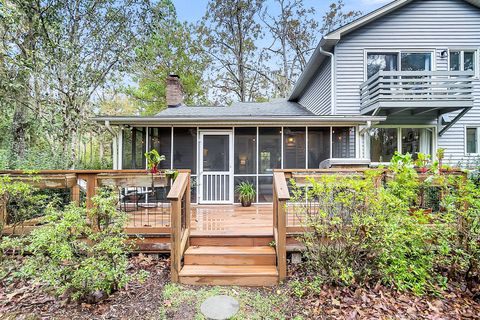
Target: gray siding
<point>317,97</point>
<point>423,25</point>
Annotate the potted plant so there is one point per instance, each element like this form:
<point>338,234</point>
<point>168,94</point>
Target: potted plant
<point>153,160</point>
<point>246,191</point>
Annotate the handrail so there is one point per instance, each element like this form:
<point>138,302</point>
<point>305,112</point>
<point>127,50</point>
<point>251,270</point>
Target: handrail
<point>149,215</point>
<point>179,197</point>
<point>178,187</point>
<point>380,74</point>
<point>79,171</point>
<point>280,197</point>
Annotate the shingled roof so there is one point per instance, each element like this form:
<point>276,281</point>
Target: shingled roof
<point>245,109</point>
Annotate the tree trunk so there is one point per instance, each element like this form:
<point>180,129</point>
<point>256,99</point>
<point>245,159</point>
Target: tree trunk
<point>19,130</point>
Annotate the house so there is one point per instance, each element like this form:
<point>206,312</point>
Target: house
<point>404,77</point>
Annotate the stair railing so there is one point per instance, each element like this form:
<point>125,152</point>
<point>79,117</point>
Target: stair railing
<point>280,197</point>
<point>179,197</point>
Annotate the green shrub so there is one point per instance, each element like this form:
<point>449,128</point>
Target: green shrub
<point>22,201</point>
<point>78,258</point>
<point>360,231</point>
<point>462,204</point>
<point>345,227</point>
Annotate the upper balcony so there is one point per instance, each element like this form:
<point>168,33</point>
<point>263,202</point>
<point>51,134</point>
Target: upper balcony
<point>417,93</point>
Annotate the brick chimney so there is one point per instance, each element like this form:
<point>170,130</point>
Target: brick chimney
<point>174,91</point>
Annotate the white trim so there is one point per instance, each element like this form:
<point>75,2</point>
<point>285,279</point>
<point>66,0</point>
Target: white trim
<point>120,149</point>
<point>147,144</point>
<point>281,148</point>
<point>477,131</point>
<point>171,148</point>
<point>306,147</point>
<point>229,173</point>
<point>257,156</point>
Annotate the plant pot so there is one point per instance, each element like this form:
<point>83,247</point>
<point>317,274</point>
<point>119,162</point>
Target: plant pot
<point>246,203</point>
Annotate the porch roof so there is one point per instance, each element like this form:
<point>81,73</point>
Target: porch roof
<point>275,112</point>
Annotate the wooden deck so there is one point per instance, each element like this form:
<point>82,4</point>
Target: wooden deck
<point>213,219</point>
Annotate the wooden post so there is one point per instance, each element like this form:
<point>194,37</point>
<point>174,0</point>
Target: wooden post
<point>282,239</point>
<point>91,180</point>
<point>180,189</point>
<point>281,195</point>
<point>3,212</point>
<point>175,256</point>
<point>75,194</point>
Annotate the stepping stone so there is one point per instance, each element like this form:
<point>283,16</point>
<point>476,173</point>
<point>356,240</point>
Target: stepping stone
<point>219,307</point>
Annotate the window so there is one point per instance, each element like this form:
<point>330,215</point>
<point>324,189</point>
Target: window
<point>416,61</point>
<point>245,150</point>
<point>161,140</point>
<point>472,140</point>
<point>343,142</point>
<point>462,60</point>
<point>381,62</point>
<point>133,148</point>
<point>269,149</point>
<point>383,144</point>
<point>415,140</point>
<point>385,141</point>
<point>185,149</point>
<point>294,148</point>
<point>318,146</point>
<point>398,61</point>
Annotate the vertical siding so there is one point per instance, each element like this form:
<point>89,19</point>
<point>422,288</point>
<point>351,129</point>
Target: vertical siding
<point>317,97</point>
<point>423,24</point>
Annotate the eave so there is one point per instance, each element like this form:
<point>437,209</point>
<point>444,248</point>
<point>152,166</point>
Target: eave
<point>236,121</point>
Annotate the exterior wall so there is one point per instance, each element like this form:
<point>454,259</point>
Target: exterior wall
<point>317,97</point>
<point>422,25</point>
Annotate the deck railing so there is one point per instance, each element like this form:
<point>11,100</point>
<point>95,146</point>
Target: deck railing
<point>141,195</point>
<point>434,86</point>
<point>180,215</point>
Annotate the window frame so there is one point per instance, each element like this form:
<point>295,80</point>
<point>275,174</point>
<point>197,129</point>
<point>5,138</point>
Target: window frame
<point>399,138</point>
<point>478,139</point>
<point>476,59</point>
<point>399,52</point>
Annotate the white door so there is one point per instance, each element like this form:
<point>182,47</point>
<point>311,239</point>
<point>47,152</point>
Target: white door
<point>216,167</point>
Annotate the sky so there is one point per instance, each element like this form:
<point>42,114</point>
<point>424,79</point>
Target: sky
<point>193,10</point>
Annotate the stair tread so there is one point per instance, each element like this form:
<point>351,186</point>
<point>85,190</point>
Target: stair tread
<point>230,250</point>
<point>214,270</point>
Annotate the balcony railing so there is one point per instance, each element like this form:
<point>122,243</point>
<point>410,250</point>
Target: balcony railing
<point>422,90</point>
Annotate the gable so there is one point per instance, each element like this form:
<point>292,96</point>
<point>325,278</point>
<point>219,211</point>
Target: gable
<point>393,9</point>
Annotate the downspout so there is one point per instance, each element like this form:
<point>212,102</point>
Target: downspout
<point>332,77</point>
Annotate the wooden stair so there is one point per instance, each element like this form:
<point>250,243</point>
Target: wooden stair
<point>229,261</point>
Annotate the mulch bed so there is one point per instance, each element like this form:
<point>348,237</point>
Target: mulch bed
<point>21,300</point>
<point>383,303</point>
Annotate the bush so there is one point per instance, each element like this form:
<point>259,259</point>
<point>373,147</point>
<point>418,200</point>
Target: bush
<point>80,259</point>
<point>361,231</point>
<point>462,203</point>
<point>22,201</point>
<point>345,228</point>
